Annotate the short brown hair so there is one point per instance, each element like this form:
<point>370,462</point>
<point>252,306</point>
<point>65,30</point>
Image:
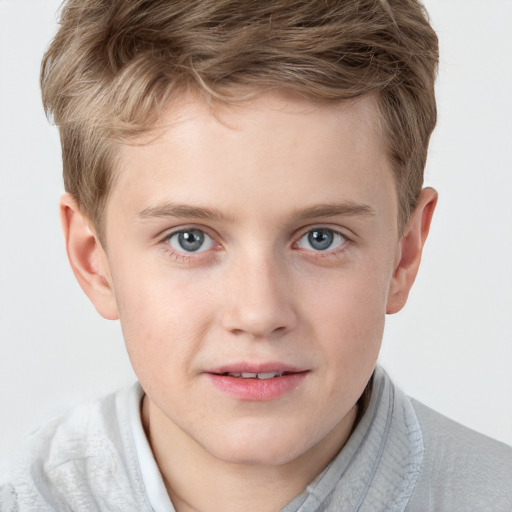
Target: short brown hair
<point>114,64</point>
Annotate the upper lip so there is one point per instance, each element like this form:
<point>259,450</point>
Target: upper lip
<point>255,367</point>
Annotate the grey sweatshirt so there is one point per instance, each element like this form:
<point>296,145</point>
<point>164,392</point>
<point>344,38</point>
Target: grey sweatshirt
<point>401,457</point>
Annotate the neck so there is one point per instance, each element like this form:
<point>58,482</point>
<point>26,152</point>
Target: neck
<point>198,481</point>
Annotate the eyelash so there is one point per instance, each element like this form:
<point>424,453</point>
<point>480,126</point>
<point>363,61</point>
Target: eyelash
<point>198,256</point>
<point>336,237</point>
<point>183,256</point>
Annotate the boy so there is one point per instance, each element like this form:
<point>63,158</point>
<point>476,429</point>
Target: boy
<point>244,193</point>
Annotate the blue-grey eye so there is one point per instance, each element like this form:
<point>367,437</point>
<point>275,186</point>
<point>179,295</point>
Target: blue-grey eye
<point>321,239</point>
<point>190,240</point>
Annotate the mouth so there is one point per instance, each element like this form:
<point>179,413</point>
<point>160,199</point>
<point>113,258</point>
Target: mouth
<point>257,382</point>
<point>256,375</point>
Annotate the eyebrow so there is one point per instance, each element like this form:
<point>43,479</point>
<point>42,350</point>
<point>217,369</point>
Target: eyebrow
<point>346,209</point>
<point>185,211</point>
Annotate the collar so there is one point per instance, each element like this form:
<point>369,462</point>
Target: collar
<point>379,465</point>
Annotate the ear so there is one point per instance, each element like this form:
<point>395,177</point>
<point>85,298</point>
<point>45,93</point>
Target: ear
<point>88,259</point>
<point>410,250</point>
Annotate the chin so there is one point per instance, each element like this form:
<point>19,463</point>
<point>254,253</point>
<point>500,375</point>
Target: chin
<point>254,447</point>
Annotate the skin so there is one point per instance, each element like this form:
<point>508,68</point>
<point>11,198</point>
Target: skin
<point>256,179</point>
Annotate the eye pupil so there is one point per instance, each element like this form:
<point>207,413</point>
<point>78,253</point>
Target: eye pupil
<point>191,240</point>
<point>321,239</point>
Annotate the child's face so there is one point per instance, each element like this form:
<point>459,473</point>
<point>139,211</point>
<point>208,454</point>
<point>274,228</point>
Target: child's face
<point>260,238</point>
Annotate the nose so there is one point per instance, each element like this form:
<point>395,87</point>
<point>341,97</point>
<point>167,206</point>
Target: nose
<point>260,299</point>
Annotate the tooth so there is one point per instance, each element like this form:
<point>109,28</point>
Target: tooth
<point>235,374</point>
<point>268,375</point>
<point>247,375</point>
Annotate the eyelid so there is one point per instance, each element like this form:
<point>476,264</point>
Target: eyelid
<point>208,241</point>
<point>348,239</point>
<point>344,232</point>
<point>183,256</point>
<point>167,233</point>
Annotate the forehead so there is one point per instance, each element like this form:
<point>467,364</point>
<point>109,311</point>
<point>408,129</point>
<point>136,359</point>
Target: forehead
<point>274,149</point>
<point>280,111</point>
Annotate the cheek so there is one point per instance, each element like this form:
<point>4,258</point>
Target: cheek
<point>348,314</point>
<point>163,321</point>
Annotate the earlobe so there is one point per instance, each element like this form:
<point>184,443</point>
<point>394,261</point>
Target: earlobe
<point>87,258</point>
<point>411,248</point>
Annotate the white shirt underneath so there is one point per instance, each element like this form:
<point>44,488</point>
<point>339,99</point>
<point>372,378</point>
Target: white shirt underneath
<point>151,476</point>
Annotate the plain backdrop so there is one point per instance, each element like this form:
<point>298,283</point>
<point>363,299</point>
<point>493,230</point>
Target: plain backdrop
<point>451,347</point>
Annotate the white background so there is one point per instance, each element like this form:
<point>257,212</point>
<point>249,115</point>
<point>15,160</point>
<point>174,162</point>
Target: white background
<point>452,345</point>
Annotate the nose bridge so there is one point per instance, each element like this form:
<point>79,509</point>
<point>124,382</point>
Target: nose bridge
<point>259,296</point>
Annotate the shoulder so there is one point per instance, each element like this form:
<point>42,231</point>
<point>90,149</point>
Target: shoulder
<point>461,469</point>
<point>76,460</point>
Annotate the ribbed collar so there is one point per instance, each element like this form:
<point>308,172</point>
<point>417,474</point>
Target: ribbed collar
<point>380,464</point>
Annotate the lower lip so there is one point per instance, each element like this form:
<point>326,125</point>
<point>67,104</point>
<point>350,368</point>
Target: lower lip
<point>257,389</point>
